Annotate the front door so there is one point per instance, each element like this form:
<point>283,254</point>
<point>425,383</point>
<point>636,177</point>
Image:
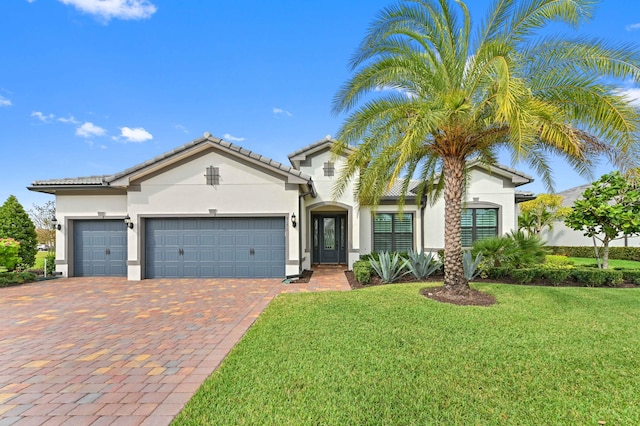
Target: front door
<point>329,238</point>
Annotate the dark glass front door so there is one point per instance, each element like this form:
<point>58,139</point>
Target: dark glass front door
<point>329,238</point>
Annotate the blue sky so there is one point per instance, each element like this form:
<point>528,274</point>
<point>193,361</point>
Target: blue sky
<point>91,87</point>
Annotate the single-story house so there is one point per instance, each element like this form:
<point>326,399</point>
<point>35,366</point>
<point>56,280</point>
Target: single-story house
<point>561,235</point>
<point>213,209</point>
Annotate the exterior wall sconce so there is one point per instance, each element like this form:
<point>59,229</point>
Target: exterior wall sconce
<point>293,220</point>
<point>55,224</point>
<point>127,221</point>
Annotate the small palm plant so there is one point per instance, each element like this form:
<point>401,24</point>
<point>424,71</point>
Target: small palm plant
<point>389,268</point>
<point>422,265</point>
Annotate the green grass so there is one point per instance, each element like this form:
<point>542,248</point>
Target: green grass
<point>386,355</point>
<point>40,255</point>
<point>613,263</point>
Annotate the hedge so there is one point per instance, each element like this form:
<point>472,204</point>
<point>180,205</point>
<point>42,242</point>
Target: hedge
<point>362,270</point>
<point>620,253</point>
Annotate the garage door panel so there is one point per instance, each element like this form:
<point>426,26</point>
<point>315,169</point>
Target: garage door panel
<point>222,247</point>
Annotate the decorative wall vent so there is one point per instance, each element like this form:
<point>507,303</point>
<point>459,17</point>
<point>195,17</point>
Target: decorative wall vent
<point>213,175</point>
<point>328,168</point>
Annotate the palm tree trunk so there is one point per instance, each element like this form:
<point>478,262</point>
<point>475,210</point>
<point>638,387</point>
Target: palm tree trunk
<point>454,280</point>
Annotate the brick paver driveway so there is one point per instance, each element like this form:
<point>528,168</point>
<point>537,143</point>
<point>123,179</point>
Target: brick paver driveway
<point>105,351</point>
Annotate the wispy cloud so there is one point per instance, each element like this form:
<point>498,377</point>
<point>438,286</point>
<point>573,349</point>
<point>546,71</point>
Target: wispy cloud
<point>136,135</point>
<point>45,118</point>
<point>181,128</point>
<point>4,102</point>
<point>89,130</point>
<point>232,138</point>
<point>30,1</point>
<point>118,9</point>
<point>633,27</point>
<point>70,120</point>
<point>281,112</point>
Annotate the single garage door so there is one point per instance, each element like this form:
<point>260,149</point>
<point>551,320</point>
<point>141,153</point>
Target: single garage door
<point>99,248</point>
<point>215,248</point>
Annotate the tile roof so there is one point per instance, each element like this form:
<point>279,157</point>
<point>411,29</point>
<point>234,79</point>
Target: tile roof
<point>207,138</point>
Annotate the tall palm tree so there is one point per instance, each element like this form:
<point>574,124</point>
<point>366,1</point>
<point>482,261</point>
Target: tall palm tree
<point>429,92</point>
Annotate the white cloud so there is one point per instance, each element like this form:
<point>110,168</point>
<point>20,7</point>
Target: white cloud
<point>30,1</point>
<point>42,117</point>
<point>119,9</point>
<point>280,111</point>
<point>71,120</point>
<point>231,138</point>
<point>633,95</point>
<point>633,27</point>
<point>136,135</point>
<point>89,130</point>
<point>4,101</point>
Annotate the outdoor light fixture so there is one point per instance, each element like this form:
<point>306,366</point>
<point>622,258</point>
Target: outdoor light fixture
<point>293,220</point>
<point>55,224</point>
<point>127,221</point>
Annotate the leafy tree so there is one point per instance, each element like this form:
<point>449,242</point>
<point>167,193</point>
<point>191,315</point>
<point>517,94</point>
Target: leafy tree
<point>41,216</point>
<point>15,223</point>
<point>609,209</point>
<point>541,213</point>
<point>429,93</point>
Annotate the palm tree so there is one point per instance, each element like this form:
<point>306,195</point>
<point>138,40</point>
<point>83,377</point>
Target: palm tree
<point>430,93</point>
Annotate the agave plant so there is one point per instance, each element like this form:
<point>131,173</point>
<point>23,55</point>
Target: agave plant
<point>422,265</point>
<point>389,268</point>
<point>470,265</point>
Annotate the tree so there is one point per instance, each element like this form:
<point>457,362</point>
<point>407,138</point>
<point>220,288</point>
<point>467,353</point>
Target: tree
<point>15,223</point>
<point>41,216</point>
<point>429,93</point>
<point>609,209</point>
<point>541,213</point>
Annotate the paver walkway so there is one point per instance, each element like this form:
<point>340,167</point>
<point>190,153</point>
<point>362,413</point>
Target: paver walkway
<point>95,349</point>
<point>105,351</point>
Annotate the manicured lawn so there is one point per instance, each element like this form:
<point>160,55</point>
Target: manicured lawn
<point>386,355</point>
<point>40,259</point>
<point>613,263</point>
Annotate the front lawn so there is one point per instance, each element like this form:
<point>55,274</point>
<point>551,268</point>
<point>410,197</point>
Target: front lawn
<point>613,263</point>
<point>386,355</point>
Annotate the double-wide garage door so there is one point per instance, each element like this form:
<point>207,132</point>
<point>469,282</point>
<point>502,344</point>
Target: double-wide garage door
<point>215,248</point>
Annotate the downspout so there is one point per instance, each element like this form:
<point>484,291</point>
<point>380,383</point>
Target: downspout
<point>423,207</point>
<point>300,197</point>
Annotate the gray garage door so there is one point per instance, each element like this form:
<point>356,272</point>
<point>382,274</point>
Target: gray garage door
<point>99,248</point>
<point>215,248</point>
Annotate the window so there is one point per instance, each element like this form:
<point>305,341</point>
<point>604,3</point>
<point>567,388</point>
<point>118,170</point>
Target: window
<point>478,224</point>
<point>392,232</point>
<point>328,168</point>
<point>213,175</point>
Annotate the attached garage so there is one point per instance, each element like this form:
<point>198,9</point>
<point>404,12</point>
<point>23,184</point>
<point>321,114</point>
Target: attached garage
<point>100,248</point>
<point>215,247</point>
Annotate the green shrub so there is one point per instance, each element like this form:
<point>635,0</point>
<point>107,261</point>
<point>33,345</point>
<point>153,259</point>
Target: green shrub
<point>597,277</point>
<point>514,250</point>
<point>422,265</point>
<point>556,276</point>
<point>630,275</point>
<point>51,263</point>
<point>621,253</point>
<point>9,253</point>
<point>389,268</point>
<point>376,256</point>
<point>524,275</point>
<point>13,278</point>
<point>362,270</point>
<point>557,260</point>
<point>496,273</point>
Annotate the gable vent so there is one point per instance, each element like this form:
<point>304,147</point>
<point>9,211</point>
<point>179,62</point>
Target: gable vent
<point>213,175</point>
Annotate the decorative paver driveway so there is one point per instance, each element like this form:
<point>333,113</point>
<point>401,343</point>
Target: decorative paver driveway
<point>100,351</point>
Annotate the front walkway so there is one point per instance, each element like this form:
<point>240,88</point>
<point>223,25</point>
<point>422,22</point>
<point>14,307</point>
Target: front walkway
<point>102,351</point>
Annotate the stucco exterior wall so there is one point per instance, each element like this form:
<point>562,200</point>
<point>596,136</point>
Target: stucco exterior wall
<point>82,205</point>
<point>325,202</point>
<point>561,235</point>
